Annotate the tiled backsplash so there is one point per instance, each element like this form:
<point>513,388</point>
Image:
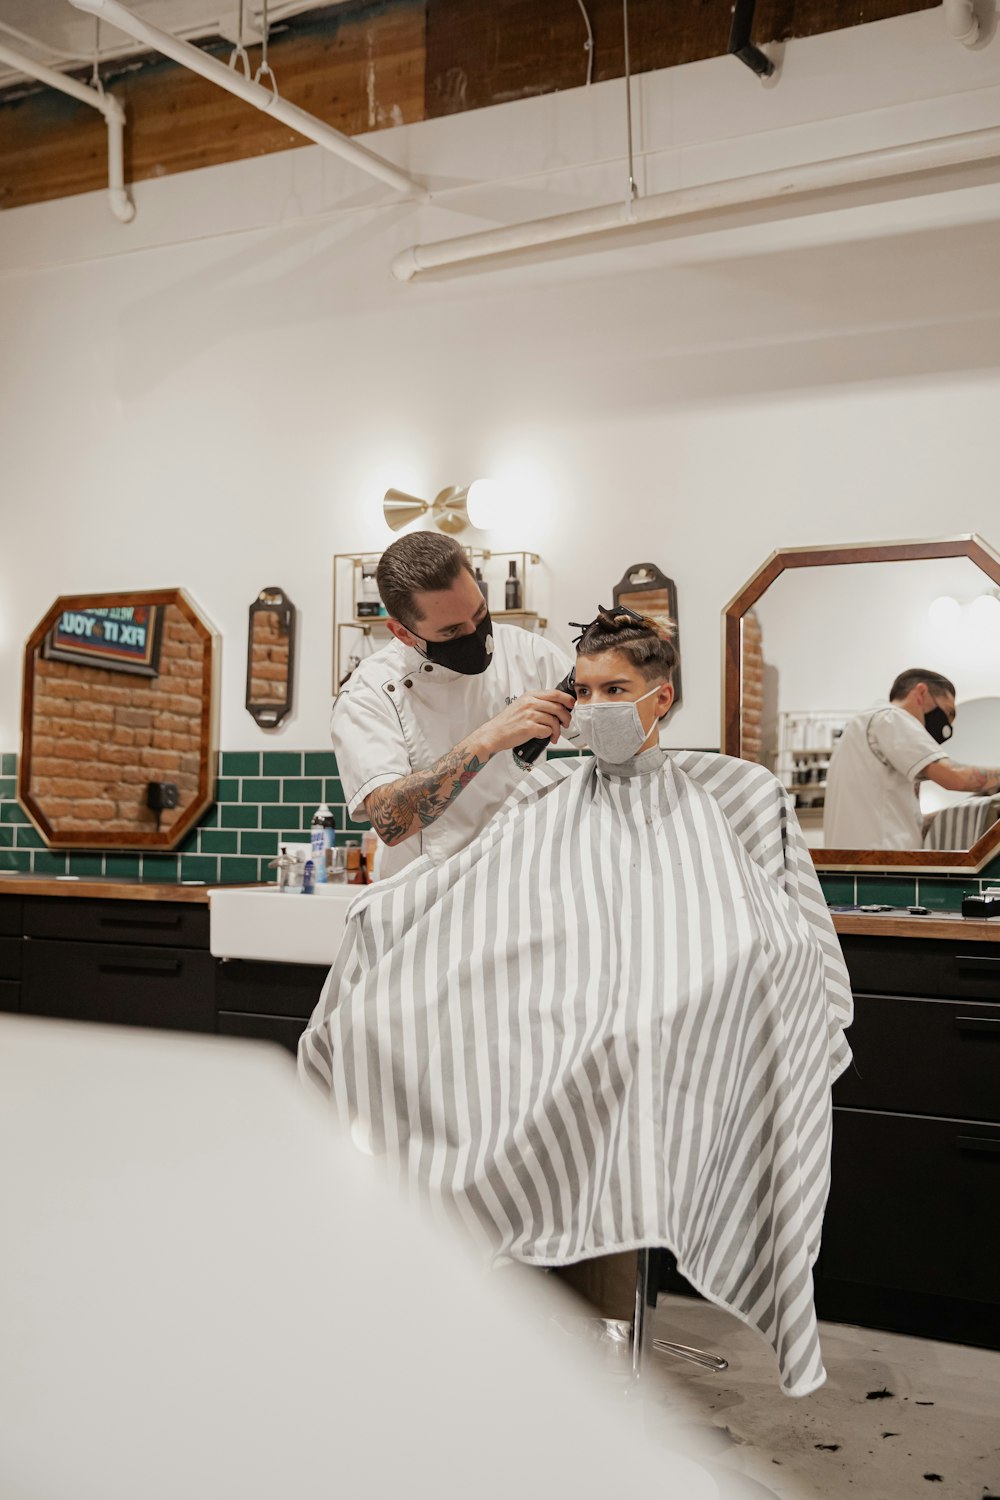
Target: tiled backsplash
<point>262,798</point>
<point>936,892</point>
<point>269,796</point>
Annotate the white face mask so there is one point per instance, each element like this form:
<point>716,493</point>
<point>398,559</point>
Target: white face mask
<point>612,730</point>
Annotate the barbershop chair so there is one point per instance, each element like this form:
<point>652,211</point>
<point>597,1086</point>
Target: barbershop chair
<point>647,1284</point>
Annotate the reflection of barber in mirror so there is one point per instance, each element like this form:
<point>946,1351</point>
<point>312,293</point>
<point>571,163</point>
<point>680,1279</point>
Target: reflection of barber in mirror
<point>424,729</point>
<point>872,793</point>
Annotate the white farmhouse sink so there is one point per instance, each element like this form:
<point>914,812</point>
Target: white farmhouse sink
<point>283,927</point>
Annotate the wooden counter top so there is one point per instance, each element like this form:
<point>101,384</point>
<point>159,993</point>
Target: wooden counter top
<point>941,924</point>
<point>104,888</point>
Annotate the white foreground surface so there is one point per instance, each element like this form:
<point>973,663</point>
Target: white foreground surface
<point>280,926</point>
<point>206,1294</point>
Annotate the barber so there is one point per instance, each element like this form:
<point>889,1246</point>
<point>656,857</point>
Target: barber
<point>425,728</point>
<point>872,796</point>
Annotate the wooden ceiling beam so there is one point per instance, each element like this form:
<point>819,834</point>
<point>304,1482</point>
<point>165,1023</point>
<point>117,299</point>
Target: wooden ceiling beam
<point>371,64</point>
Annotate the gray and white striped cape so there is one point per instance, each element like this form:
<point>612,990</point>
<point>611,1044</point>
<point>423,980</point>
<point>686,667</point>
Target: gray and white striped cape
<point>612,1021</point>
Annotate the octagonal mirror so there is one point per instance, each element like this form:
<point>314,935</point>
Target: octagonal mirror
<point>814,645</point>
<point>119,720</point>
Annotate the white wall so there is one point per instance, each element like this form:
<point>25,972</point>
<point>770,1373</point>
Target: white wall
<point>838,636</point>
<point>217,395</point>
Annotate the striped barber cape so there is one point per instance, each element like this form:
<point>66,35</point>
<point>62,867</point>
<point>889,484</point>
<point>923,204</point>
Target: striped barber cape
<point>613,1021</point>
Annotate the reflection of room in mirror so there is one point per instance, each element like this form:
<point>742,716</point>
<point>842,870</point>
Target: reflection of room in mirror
<point>99,737</point>
<point>833,638</point>
<point>269,658</point>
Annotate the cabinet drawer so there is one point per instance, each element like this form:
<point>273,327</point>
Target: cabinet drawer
<point>123,985</point>
<point>10,915</point>
<point>915,1205</point>
<point>928,1057</point>
<point>10,995</point>
<point>10,958</point>
<point>285,1030</point>
<point>154,922</point>
<point>951,969</point>
<point>256,988</point>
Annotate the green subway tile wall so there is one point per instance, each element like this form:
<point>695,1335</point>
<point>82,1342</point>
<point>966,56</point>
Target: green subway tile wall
<point>268,797</point>
<point>263,798</point>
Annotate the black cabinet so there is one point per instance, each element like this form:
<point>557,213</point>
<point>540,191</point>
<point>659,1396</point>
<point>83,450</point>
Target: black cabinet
<point>913,1220</point>
<point>137,985</point>
<point>10,953</point>
<point>272,1002</point>
<point>144,963</point>
<point>128,963</point>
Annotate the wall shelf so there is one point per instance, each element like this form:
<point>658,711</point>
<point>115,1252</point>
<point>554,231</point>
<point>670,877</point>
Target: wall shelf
<point>350,628</point>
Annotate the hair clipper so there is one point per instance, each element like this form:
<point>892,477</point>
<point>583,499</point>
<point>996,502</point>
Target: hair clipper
<point>529,752</point>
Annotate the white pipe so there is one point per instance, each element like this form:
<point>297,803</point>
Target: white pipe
<point>233,81</point>
<point>709,198</point>
<point>114,118</point>
<point>962,22</point>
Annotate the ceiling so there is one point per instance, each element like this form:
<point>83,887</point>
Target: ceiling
<point>66,36</point>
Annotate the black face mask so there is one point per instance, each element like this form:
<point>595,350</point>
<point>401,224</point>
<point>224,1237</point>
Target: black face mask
<point>468,654</point>
<point>937,725</point>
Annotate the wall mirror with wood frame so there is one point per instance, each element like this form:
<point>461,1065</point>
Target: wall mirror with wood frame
<point>119,720</point>
<point>815,643</point>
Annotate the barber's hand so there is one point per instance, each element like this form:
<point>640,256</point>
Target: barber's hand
<point>529,717</point>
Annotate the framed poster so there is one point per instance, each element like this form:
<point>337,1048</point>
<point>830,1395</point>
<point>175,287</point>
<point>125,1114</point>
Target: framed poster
<point>124,638</point>
<point>649,592</point>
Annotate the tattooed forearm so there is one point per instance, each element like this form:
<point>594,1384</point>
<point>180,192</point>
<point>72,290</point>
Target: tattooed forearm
<point>412,803</point>
<point>980,780</point>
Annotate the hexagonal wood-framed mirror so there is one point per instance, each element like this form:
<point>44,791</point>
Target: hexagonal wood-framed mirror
<point>815,641</point>
<point>119,720</point>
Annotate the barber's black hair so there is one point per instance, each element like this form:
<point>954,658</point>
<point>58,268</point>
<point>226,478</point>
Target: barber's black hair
<point>422,563</point>
<point>639,639</point>
<point>913,677</point>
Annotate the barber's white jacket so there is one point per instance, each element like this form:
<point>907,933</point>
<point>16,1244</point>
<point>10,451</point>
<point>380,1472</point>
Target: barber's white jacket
<point>399,713</point>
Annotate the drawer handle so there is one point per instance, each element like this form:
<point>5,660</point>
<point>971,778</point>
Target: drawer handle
<point>159,923</point>
<point>969,964</point>
<point>147,966</point>
<point>979,1144</point>
<point>979,1025</point>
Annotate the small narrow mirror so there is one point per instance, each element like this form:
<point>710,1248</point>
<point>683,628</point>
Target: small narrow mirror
<point>650,592</point>
<point>270,657</point>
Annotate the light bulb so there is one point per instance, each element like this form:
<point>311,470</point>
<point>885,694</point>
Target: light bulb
<point>984,612</point>
<point>486,503</point>
<point>944,613</point>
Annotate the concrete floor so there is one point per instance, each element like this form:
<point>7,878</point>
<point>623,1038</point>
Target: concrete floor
<point>936,1433</point>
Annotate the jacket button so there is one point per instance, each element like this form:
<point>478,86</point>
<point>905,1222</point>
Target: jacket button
<point>428,667</point>
<point>390,687</point>
<point>408,682</point>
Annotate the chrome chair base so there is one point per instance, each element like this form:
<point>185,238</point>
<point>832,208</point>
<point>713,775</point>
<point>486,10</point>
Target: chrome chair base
<point>647,1282</point>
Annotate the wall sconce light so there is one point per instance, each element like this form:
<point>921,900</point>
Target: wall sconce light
<point>478,504</point>
<point>447,511</point>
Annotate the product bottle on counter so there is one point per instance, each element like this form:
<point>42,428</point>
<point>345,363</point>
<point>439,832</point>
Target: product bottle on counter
<point>323,836</point>
<point>369,846</point>
<point>308,878</point>
<point>484,587</point>
<point>513,589</point>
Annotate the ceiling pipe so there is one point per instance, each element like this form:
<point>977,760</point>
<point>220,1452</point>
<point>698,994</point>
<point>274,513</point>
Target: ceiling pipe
<point>962,22</point>
<point>265,99</point>
<point>707,199</point>
<point>114,118</point>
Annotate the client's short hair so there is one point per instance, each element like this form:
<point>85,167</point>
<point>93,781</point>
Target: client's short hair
<point>644,643</point>
<point>913,677</point>
<point>424,563</point>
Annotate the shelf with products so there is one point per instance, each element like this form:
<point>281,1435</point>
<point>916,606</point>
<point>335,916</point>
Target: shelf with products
<point>356,636</point>
<point>806,739</point>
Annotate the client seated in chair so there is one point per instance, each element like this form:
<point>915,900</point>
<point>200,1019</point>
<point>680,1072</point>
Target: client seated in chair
<point>613,1021</point>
